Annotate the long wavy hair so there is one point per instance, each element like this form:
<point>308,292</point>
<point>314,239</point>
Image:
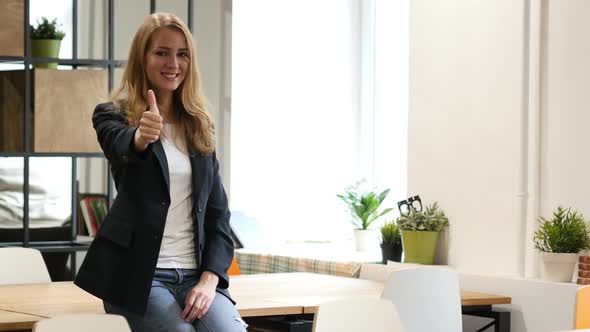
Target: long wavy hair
<point>130,97</point>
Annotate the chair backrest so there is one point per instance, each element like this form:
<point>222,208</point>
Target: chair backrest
<point>83,322</point>
<point>381,273</point>
<point>22,266</point>
<point>357,315</point>
<point>234,268</point>
<point>582,316</point>
<point>426,299</point>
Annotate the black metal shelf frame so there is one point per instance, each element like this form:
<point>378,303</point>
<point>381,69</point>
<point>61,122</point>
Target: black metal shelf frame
<point>110,63</point>
<point>52,246</point>
<point>51,154</point>
<point>66,62</point>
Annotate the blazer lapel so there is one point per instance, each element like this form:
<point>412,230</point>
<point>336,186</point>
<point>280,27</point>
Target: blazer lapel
<point>158,150</point>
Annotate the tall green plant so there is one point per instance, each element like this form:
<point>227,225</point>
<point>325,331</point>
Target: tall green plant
<point>46,30</point>
<point>364,206</point>
<point>566,232</point>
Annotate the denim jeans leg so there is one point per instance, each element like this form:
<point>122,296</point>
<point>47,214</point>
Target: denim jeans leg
<point>162,313</point>
<point>136,322</point>
<point>222,316</point>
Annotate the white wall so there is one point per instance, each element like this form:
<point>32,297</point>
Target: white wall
<point>465,125</point>
<point>564,106</point>
<point>475,67</point>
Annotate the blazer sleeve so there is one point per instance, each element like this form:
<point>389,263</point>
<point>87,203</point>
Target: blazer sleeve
<point>219,248</point>
<point>115,136</point>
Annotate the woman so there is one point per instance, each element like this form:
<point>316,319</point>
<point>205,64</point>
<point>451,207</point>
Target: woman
<point>162,253</point>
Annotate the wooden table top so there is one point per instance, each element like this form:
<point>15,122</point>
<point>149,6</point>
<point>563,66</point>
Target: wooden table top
<point>16,321</point>
<point>255,294</point>
<point>309,290</point>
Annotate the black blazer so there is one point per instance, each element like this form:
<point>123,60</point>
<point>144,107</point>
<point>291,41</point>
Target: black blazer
<point>120,263</point>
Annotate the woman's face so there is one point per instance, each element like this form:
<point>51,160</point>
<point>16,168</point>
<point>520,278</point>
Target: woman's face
<point>167,60</point>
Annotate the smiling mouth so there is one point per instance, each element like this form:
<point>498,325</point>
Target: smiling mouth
<point>170,76</point>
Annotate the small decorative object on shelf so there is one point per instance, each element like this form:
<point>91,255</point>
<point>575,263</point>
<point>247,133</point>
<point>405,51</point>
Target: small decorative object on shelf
<point>560,239</point>
<point>420,231</point>
<point>363,206</point>
<point>46,41</point>
<point>93,209</point>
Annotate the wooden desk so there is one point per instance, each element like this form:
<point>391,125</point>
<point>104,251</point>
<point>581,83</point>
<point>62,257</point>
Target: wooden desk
<point>256,295</point>
<point>309,290</point>
<point>16,321</point>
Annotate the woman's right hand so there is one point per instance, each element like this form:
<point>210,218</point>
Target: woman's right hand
<point>149,126</point>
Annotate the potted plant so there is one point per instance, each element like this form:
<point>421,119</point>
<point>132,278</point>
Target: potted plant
<point>391,242</point>
<point>364,207</point>
<point>45,41</point>
<point>420,231</point>
<point>560,239</point>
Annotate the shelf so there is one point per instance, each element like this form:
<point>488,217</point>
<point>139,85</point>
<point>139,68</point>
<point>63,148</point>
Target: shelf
<point>58,125</point>
<point>12,25</point>
<point>51,154</point>
<point>66,62</point>
<point>54,246</point>
<point>12,59</point>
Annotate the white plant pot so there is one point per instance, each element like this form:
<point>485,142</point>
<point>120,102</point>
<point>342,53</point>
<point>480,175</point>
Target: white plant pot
<point>365,239</point>
<point>558,267</point>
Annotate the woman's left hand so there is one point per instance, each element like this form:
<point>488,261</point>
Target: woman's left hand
<point>199,299</point>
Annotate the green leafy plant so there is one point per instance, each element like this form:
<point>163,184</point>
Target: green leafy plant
<point>46,30</point>
<point>364,206</point>
<point>390,233</point>
<point>566,232</point>
<point>432,219</point>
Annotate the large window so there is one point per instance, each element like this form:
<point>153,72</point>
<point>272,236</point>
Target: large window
<point>310,114</point>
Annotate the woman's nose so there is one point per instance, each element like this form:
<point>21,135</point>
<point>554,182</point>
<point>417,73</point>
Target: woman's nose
<point>172,62</point>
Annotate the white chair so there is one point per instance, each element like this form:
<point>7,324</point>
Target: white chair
<point>22,266</point>
<point>83,322</point>
<point>357,315</point>
<point>426,299</point>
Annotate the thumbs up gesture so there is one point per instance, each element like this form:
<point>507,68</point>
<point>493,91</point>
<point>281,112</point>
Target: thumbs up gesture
<point>150,125</point>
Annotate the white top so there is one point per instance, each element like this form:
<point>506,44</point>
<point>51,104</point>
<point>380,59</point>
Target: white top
<point>177,249</point>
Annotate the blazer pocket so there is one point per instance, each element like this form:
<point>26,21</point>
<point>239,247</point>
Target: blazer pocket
<point>117,231</point>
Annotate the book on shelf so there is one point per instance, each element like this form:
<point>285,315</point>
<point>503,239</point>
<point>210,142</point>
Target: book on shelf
<point>93,210</point>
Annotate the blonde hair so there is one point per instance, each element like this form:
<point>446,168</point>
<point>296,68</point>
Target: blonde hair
<point>130,97</point>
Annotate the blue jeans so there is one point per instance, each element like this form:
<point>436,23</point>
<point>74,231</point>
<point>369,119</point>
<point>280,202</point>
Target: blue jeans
<point>166,302</point>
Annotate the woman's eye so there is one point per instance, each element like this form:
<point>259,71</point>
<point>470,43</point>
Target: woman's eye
<point>183,55</point>
<point>160,53</point>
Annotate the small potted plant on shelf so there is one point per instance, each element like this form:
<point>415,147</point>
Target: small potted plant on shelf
<point>46,41</point>
<point>364,208</point>
<point>420,230</point>
<point>560,239</point>
<point>391,242</point>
